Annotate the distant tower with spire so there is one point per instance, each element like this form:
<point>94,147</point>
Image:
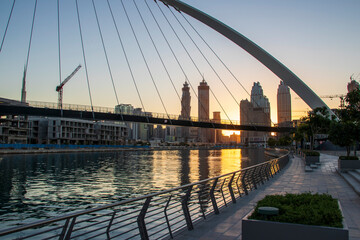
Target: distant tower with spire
<point>203,110</point>
<point>185,101</point>
<point>203,103</point>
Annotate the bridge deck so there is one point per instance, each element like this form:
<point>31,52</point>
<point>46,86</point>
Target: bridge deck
<point>293,179</point>
<point>144,118</point>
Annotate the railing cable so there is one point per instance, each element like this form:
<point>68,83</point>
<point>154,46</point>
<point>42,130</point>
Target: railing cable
<point>83,51</point>
<point>143,56</point>
<point>7,25</point>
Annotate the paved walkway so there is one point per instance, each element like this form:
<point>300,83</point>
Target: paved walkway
<point>293,179</point>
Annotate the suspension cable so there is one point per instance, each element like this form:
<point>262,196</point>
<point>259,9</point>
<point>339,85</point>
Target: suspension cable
<point>143,56</point>
<point>83,51</point>
<point>157,51</point>
<point>177,60</point>
<point>7,25</point>
<point>217,56</point>
<point>192,60</point>
<point>126,58</point>
<point>59,48</point>
<point>106,56</point>
<point>31,33</point>
<point>163,61</point>
<point>196,45</point>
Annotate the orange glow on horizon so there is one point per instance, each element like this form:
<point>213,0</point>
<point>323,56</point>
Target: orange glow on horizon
<point>229,132</point>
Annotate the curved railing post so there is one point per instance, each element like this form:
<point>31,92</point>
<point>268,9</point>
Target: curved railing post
<point>69,231</point>
<point>260,174</point>
<point>201,190</point>
<point>222,192</point>
<point>253,177</point>
<point>141,220</point>
<point>110,223</point>
<point>185,208</point>
<point>244,183</point>
<point>231,190</point>
<point>212,197</point>
<point>237,184</point>
<point>269,165</point>
<point>166,216</point>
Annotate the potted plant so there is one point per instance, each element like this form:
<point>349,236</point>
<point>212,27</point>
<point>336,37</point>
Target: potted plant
<point>345,132</point>
<point>346,163</point>
<point>300,216</point>
<point>311,157</point>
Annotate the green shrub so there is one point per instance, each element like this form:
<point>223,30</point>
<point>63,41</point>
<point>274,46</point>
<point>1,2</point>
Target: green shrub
<point>311,153</point>
<point>348,158</point>
<point>306,208</point>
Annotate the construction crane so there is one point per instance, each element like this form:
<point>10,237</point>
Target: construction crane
<point>341,96</point>
<point>59,88</point>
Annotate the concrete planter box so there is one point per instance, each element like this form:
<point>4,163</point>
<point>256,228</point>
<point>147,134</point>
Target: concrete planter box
<point>312,159</point>
<point>259,230</point>
<point>345,165</point>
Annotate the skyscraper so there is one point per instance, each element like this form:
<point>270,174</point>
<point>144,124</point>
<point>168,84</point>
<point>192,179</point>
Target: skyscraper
<point>255,112</point>
<point>283,105</point>
<point>203,109</point>
<point>203,103</point>
<point>185,110</point>
<point>185,101</point>
<point>258,99</point>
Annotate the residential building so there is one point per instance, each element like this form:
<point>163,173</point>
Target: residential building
<point>14,129</point>
<point>56,130</point>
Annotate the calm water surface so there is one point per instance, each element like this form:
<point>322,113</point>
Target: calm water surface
<point>39,186</point>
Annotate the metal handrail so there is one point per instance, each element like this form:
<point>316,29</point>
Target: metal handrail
<point>192,203</point>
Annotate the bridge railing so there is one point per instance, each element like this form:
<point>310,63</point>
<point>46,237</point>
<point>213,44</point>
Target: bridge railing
<point>135,113</point>
<point>158,215</point>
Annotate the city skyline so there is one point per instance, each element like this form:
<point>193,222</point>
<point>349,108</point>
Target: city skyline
<point>316,40</point>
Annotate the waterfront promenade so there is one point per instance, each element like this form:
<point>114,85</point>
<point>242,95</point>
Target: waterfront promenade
<point>293,179</point>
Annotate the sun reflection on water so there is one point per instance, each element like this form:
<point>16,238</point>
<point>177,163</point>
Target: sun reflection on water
<point>42,186</point>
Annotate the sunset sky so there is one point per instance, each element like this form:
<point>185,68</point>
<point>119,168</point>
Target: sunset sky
<point>316,39</point>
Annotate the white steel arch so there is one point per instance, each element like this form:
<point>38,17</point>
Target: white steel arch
<point>279,69</point>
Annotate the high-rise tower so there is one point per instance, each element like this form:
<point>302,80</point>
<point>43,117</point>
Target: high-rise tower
<point>203,104</point>
<point>185,110</point>
<point>203,110</point>
<point>283,105</point>
<point>185,101</point>
<point>258,99</point>
<point>255,112</point>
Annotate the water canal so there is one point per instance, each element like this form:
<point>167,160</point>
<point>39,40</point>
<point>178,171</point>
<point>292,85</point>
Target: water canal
<point>40,186</point>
